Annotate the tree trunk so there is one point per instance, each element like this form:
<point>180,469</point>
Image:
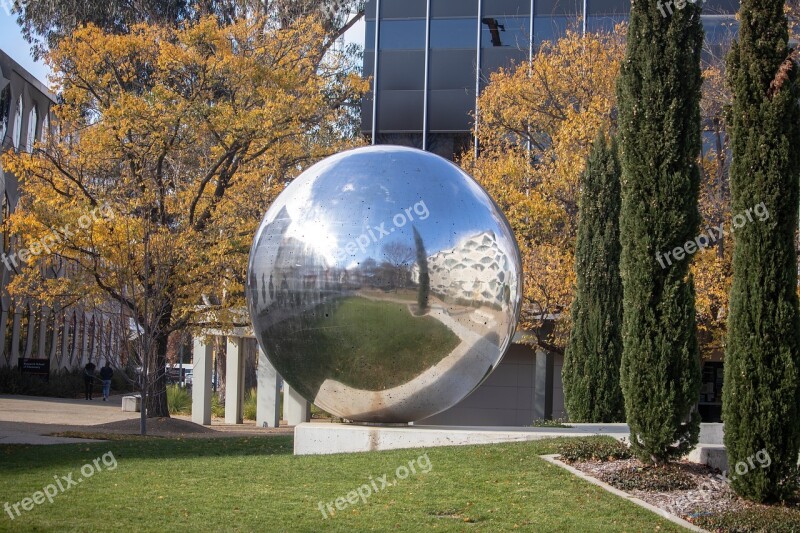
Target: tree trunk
<point>157,398</point>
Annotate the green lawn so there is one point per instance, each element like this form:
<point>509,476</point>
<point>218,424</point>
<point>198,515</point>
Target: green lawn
<point>255,484</point>
<point>349,339</point>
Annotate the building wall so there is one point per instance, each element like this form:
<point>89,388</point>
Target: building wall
<point>68,337</point>
<point>430,66</point>
<point>506,398</point>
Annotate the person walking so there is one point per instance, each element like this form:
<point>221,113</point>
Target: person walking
<point>88,378</point>
<point>105,374</point>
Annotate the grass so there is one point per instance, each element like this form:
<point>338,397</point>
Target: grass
<point>256,484</point>
<point>349,340</point>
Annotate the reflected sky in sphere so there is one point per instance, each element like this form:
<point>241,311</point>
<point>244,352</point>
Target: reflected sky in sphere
<point>384,284</point>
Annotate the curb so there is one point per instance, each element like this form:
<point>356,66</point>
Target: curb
<point>553,459</point>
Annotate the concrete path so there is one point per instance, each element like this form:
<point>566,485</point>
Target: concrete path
<point>31,419</point>
<point>27,419</point>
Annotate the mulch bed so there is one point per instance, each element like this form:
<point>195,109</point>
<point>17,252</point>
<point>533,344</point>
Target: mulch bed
<point>694,492</point>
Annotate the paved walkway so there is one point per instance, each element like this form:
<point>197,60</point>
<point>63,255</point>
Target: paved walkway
<point>32,419</point>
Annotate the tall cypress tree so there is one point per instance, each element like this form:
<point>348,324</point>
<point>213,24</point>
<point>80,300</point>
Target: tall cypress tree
<point>760,394</point>
<point>659,127</point>
<point>593,354</point>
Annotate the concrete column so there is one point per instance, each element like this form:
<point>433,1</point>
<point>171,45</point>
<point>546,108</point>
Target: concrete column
<point>15,332</point>
<point>268,389</point>
<point>4,356</point>
<point>85,340</point>
<point>41,351</point>
<point>543,386</point>
<point>66,360</point>
<point>296,409</point>
<point>234,380</point>
<point>30,337</point>
<point>53,355</point>
<point>201,382</point>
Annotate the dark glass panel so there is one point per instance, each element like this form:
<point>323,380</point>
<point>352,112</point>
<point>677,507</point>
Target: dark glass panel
<point>369,35</point>
<point>450,110</point>
<point>608,7</point>
<point>506,7</point>
<point>572,8</point>
<point>402,34</point>
<point>452,69</point>
<point>454,33</point>
<point>552,28</point>
<point>398,9</point>
<point>454,8</point>
<point>401,70</point>
<point>505,32</point>
<point>400,110</point>
<point>605,23</point>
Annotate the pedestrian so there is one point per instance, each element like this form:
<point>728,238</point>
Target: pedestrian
<point>88,378</point>
<point>105,374</point>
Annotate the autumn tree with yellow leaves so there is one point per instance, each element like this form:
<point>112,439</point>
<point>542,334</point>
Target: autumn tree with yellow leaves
<point>535,129</point>
<point>186,135</point>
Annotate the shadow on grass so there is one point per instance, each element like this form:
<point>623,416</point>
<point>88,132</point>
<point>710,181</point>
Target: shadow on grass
<point>16,457</point>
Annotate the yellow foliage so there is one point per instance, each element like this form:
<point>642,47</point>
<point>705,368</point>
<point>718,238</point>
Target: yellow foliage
<point>535,127</point>
<point>185,136</point>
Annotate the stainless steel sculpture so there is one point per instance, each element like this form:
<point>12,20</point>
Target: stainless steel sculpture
<point>384,284</point>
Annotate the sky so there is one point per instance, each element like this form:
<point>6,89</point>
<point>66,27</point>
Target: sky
<point>12,43</point>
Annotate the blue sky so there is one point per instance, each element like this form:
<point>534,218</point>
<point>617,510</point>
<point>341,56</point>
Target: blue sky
<point>12,43</point>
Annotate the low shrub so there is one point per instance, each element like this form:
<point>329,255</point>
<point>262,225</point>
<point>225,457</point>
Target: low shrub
<point>217,407</point>
<point>665,478</point>
<point>550,423</point>
<point>62,383</point>
<point>250,404</point>
<point>774,519</point>
<point>179,401</point>
<point>593,449</point>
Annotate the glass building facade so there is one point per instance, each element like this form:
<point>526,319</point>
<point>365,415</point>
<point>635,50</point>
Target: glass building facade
<point>434,56</point>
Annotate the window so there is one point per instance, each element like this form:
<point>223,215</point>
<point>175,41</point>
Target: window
<point>5,109</point>
<point>33,121</point>
<point>604,23</point>
<point>402,34</point>
<point>505,32</point>
<point>454,33</point>
<point>551,28</point>
<point>17,123</point>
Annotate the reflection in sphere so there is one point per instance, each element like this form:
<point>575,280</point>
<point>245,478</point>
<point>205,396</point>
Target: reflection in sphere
<point>384,285</point>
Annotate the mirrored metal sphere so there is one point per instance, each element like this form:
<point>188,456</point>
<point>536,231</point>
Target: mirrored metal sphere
<point>384,284</point>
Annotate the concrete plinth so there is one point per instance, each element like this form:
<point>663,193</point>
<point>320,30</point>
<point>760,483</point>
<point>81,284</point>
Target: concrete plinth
<point>132,404</point>
<point>268,405</point>
<point>315,438</point>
